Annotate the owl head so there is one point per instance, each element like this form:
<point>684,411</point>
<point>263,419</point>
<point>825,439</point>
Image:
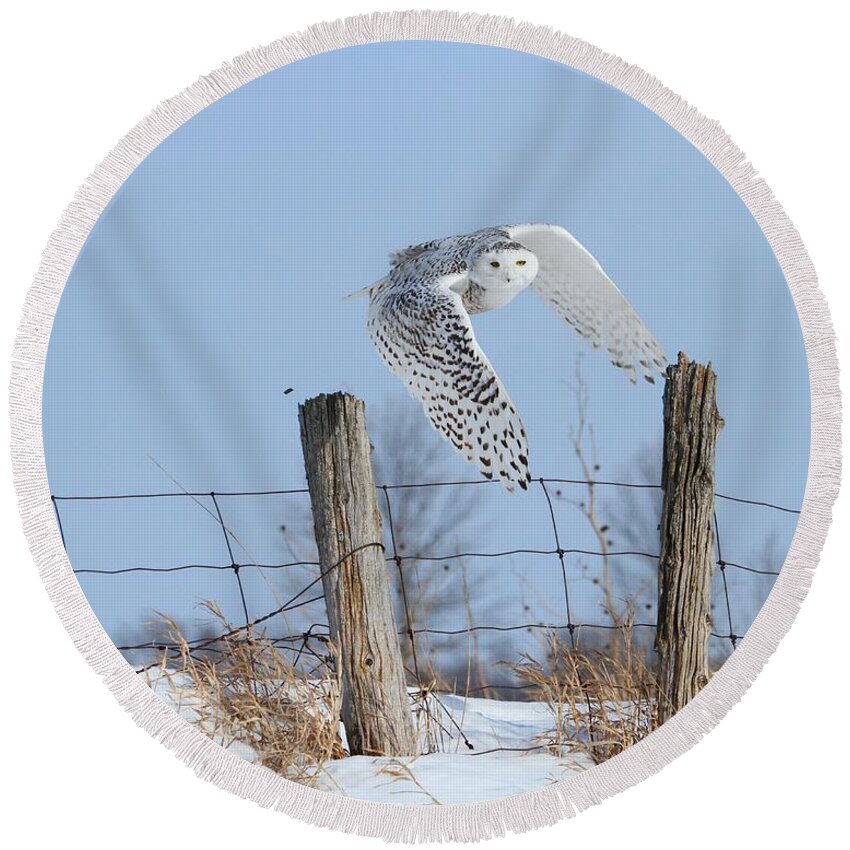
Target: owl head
<point>503,265</point>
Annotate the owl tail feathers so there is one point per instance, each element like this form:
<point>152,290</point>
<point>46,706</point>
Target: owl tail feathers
<point>366,290</point>
<point>359,293</point>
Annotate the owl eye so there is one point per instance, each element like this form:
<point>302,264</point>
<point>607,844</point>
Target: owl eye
<point>521,262</point>
<point>495,263</point>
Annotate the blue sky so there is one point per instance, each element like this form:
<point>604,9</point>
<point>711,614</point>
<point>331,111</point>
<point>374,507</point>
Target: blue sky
<point>213,282</point>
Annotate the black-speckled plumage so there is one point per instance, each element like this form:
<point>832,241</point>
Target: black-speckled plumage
<point>419,323</point>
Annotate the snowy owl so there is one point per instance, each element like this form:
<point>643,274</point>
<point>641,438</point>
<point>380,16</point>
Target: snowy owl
<point>419,322</point>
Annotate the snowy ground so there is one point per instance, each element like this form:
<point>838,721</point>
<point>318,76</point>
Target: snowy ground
<point>498,766</point>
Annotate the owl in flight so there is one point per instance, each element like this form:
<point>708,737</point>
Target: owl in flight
<point>419,322</point>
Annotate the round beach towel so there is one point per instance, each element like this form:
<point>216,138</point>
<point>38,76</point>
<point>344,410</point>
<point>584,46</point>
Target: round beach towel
<point>426,424</point>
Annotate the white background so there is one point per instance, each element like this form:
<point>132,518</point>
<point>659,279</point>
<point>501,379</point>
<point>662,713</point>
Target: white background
<point>76,78</point>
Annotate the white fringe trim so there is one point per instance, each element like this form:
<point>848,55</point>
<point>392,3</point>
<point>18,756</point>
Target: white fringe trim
<point>462,822</point>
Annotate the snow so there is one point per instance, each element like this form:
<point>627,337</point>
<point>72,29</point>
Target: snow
<point>499,765</point>
<point>442,778</point>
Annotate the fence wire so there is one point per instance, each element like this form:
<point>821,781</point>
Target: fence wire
<point>308,643</point>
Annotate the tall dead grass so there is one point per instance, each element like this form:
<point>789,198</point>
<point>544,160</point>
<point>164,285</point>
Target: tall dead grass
<point>601,704</point>
<point>248,691</point>
<point>244,689</point>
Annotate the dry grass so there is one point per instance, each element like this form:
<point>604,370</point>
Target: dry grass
<point>601,704</point>
<point>399,770</point>
<point>248,691</point>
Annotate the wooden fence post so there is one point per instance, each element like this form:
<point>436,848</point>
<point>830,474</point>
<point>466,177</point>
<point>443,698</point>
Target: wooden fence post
<point>375,705</point>
<point>691,426</point>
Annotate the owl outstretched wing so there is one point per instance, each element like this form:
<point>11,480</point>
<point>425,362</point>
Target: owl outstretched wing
<point>423,333</point>
<point>573,283</point>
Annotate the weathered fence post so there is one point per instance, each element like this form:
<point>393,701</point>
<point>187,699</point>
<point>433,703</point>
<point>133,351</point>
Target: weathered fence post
<point>691,426</point>
<point>375,707</point>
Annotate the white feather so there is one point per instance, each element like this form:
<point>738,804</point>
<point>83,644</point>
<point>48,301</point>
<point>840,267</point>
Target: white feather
<point>571,281</point>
